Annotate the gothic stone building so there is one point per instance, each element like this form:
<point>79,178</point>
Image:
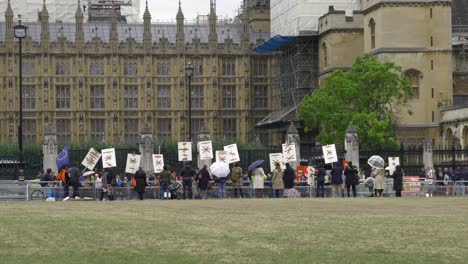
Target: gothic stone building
<point>107,81</point>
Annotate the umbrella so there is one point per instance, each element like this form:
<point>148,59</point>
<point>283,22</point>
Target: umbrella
<point>220,169</point>
<point>88,173</point>
<point>376,162</point>
<point>255,165</point>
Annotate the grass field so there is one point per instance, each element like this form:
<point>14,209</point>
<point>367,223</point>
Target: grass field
<point>388,230</point>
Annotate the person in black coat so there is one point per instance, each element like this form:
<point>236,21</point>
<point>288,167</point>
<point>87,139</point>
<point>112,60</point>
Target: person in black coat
<point>397,180</point>
<point>111,182</point>
<point>351,178</point>
<point>203,181</point>
<point>336,180</point>
<point>321,181</point>
<point>140,177</point>
<point>187,174</point>
<point>288,177</point>
<point>75,174</point>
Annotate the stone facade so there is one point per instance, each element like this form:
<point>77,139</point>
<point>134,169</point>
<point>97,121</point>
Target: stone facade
<point>415,35</point>
<point>107,81</point>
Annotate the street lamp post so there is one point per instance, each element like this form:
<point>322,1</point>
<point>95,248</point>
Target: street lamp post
<point>189,74</point>
<point>20,34</point>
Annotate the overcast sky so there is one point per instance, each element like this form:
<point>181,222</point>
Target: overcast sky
<point>167,9</point>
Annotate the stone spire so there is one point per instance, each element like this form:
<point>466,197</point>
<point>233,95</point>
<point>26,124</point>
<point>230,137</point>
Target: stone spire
<point>245,27</point>
<point>79,33</point>
<point>147,36</point>
<point>9,35</point>
<point>180,36</point>
<point>113,34</point>
<point>213,35</point>
<point>44,24</point>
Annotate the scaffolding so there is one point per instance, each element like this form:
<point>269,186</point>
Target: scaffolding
<point>296,76</point>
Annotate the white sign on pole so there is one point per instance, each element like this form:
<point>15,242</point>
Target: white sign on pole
<point>108,158</point>
<point>205,148</point>
<point>393,162</point>
<point>185,151</point>
<point>158,163</point>
<point>329,153</point>
<point>133,162</point>
<point>91,159</point>
<point>276,158</point>
<point>289,152</point>
<point>232,153</point>
<point>221,156</point>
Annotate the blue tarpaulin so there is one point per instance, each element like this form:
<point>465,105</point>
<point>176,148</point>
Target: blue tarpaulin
<point>274,43</point>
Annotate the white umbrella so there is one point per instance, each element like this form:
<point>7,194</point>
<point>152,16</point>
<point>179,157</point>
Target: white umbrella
<point>220,169</point>
<point>376,162</point>
<point>88,173</point>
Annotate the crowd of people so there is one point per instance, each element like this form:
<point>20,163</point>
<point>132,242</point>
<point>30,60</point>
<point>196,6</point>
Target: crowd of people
<point>196,183</point>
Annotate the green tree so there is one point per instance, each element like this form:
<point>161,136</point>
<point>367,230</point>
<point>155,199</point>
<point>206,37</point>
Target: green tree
<point>370,95</point>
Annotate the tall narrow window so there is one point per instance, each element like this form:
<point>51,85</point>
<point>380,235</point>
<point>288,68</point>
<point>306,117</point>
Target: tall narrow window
<point>29,131</point>
<point>260,67</point>
<point>62,96</point>
<point>432,41</point>
<point>325,55</point>
<point>413,76</point>
<point>430,13</point>
<point>433,116</point>
<point>197,97</point>
<point>228,67</point>
<point>96,96</point>
<point>432,93</point>
<point>131,96</point>
<point>163,68</point>
<point>63,128</point>
<point>197,67</point>
<point>432,64</point>
<point>130,68</point>
<point>97,130</point>
<point>163,97</point>
<point>372,33</point>
<point>164,129</point>
<point>29,68</point>
<point>96,67</point>
<point>229,128</point>
<point>260,97</point>
<point>131,130</point>
<point>196,126</point>
<point>62,67</point>
<point>29,97</point>
<point>229,96</point>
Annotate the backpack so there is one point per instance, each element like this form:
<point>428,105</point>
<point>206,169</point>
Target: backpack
<point>62,176</point>
<point>133,182</point>
<point>235,175</point>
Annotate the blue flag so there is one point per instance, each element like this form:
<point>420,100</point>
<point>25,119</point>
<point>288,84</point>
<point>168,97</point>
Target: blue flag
<point>63,157</point>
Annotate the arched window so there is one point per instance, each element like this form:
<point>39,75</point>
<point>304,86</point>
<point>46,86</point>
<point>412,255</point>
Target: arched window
<point>325,54</point>
<point>372,32</point>
<point>413,76</point>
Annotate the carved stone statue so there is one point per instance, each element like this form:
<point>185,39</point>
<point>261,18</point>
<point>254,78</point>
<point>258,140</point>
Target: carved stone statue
<point>352,145</point>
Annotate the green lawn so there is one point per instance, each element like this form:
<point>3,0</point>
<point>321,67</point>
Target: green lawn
<point>372,230</point>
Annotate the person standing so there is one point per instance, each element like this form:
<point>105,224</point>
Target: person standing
<point>398,180</point>
<point>277,179</point>
<point>98,185</point>
<point>140,177</point>
<point>111,182</point>
<point>164,182</point>
<point>74,179</point>
<point>187,177</point>
<point>258,183</point>
<point>379,181</point>
<point>351,178</point>
<point>336,180</point>
<point>236,179</point>
<point>321,181</point>
<point>64,178</point>
<point>203,181</point>
<point>288,177</point>
<point>221,182</point>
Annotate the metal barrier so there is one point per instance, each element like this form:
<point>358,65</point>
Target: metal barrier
<point>36,190</point>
